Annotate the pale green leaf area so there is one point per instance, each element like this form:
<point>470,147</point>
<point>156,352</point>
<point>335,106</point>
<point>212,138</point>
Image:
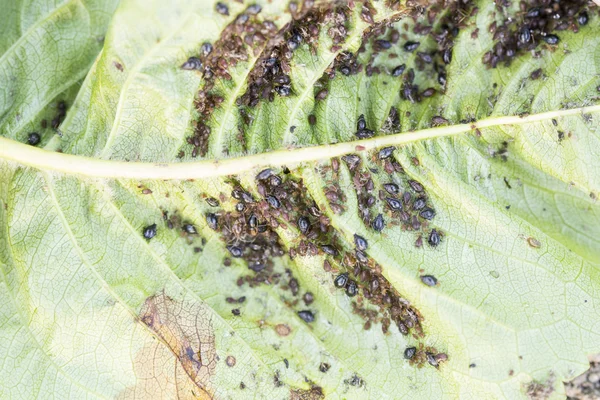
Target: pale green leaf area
<point>89,308</point>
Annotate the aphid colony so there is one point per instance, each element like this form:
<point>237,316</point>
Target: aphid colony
<point>34,138</point>
<point>537,22</point>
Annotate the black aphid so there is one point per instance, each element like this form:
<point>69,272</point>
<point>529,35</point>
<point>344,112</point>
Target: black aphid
<point>438,120</point>
<point>192,63</point>
<point>416,186</point>
<point>551,39</point>
<point>386,152</point>
<point>360,242</point>
<point>364,134</point>
<point>411,46</point>
<point>399,70</point>
<point>341,280</point>
<point>242,19</point>
<point>361,123</point>
<point>252,221</point>
<point>533,12</point>
<point>361,256</point>
<point>273,201</point>
<point>264,174</point>
<point>428,92</point>
<point>345,70</point>
<point>427,213</point>
<point>419,203</point>
<point>391,188</point>
<point>275,180</point>
<point>329,250</point>
<point>394,204</point>
<point>235,251</point>
<point>222,9</point>
<point>410,352</point>
<point>378,223</point>
<point>150,231</point>
<point>383,44</point>
<point>429,280</point>
<point>351,288</point>
<point>33,138</point>
<point>324,367</point>
<point>352,160</point>
<point>254,9</point>
<point>247,197</point>
<point>306,315</point>
<point>434,238</point>
<point>239,207</point>
<point>236,194</point>
<point>283,91</point>
<point>212,221</point>
<point>582,18</point>
<point>425,57</point>
<point>303,224</point>
<point>447,56</point>
<point>212,201</point>
<point>402,328</point>
<point>431,360</point>
<point>206,49</point>
<point>189,228</point>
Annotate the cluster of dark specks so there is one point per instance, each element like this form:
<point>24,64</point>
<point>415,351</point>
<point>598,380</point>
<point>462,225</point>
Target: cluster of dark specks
<point>424,354</point>
<point>538,22</point>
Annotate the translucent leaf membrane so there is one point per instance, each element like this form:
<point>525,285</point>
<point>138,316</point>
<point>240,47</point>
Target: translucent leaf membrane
<point>474,254</point>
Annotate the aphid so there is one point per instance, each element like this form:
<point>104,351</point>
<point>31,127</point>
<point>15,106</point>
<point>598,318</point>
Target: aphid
<point>386,152</point>
<point>236,312</point>
<point>533,242</point>
<point>303,224</point>
<point>312,119</point>
<point>247,197</point>
<point>429,280</point>
<point>321,94</point>
<point>306,315</point>
<point>438,120</point>
<point>383,44</point>
<point>352,160</point>
<point>222,9</point>
<point>360,242</point>
<point>189,228</point>
<point>391,188</point>
<point>329,250</point>
<point>536,74</point>
<point>419,203</point>
<point>275,180</point>
<point>150,231</point>
<point>411,46</point>
<point>239,207</point>
<point>212,221</point>
<point>273,201</point>
<point>402,328</point>
<point>283,91</point>
<point>324,367</point>
<point>399,70</point>
<point>425,57</point>
<point>192,63</point>
<point>410,352</point>
<point>394,204</point>
<point>264,174</point>
<point>524,34</point>
<point>419,242</point>
<point>33,138</point>
<point>242,19</point>
<point>434,238</point>
<point>212,201</point>
<point>351,288</point>
<point>442,78</point>
<point>341,280</point>
<point>447,56</point>
<point>416,186</point>
<point>345,70</point>
<point>431,359</point>
<point>235,251</point>
<point>308,298</point>
<point>254,9</point>
<point>252,221</point>
<point>551,39</point>
<point>533,12</point>
<point>427,213</point>
<point>378,223</point>
<point>361,124</point>
<point>364,134</point>
<point>206,49</point>
<point>582,18</point>
<point>361,257</point>
<point>428,92</point>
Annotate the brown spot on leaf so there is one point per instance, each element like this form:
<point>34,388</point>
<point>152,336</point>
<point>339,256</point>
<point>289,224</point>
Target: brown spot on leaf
<point>282,329</point>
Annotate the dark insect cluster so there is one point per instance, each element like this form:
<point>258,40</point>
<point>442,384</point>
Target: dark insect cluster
<point>537,22</point>
<point>421,355</point>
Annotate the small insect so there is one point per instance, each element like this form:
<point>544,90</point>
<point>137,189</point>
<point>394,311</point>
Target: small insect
<point>235,251</point>
<point>312,119</point>
<point>361,123</point>
<point>212,202</point>
<point>352,160</point>
<point>402,328</point>
<point>150,231</point>
<point>254,9</point>
<point>360,242</point>
<point>431,359</point>
<point>303,224</point>
<point>386,152</point>
<point>394,204</point>
<point>189,228</point>
<point>429,280</point>
<point>239,207</point>
<point>416,186</point>
<point>536,74</point>
<point>551,39</point>
<point>391,188</point>
<point>264,174</point>
<point>206,49</point>
<point>533,242</point>
<point>273,201</point>
<point>329,250</point>
<point>324,367</point>
<point>364,134</point>
<point>582,18</point>
<point>411,46</point>
<point>247,197</point>
<point>283,90</point>
<point>275,180</point>
<point>252,221</point>
<point>351,288</point>
<point>236,312</point>
<point>425,57</point>
<point>447,56</point>
<point>212,221</point>
<point>524,34</point>
<point>192,63</point>
<point>345,70</point>
<point>361,257</point>
<point>399,70</point>
<point>410,352</point>
<point>427,213</point>
<point>428,92</point>
<point>419,203</point>
<point>378,223</point>
<point>306,315</point>
<point>33,138</point>
<point>341,280</point>
<point>434,238</point>
<point>383,44</point>
<point>222,9</point>
<point>438,120</point>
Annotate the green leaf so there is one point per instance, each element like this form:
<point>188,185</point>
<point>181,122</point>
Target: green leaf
<point>92,308</point>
